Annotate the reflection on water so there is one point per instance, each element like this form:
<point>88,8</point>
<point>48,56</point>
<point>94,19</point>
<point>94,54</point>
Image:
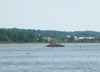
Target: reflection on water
<point>39,58</point>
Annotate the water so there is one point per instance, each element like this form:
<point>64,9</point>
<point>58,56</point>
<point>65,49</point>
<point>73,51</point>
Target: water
<point>39,58</point>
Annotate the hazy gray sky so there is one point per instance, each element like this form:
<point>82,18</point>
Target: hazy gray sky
<point>65,15</point>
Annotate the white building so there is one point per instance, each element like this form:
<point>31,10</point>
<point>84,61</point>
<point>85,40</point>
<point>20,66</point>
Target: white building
<point>67,37</point>
<point>76,38</point>
<point>47,38</point>
<point>89,38</point>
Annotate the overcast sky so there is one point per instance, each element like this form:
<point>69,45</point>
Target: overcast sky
<point>63,15</point>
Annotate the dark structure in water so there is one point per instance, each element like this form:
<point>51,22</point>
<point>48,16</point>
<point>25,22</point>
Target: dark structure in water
<point>52,43</point>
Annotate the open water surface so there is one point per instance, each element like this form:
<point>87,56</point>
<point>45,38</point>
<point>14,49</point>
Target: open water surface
<point>39,58</point>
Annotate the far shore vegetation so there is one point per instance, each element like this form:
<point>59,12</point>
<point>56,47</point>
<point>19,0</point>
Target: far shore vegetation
<point>43,36</point>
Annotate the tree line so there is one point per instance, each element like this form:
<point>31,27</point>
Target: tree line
<point>31,35</point>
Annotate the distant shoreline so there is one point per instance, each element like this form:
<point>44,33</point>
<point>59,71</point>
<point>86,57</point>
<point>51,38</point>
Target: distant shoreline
<point>47,43</point>
<point>14,44</point>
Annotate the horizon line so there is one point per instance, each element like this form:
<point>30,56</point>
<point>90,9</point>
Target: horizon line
<point>46,29</point>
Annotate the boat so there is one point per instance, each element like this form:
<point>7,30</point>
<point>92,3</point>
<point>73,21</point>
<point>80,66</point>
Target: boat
<point>53,43</point>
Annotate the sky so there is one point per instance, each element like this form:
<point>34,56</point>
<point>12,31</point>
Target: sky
<point>62,15</point>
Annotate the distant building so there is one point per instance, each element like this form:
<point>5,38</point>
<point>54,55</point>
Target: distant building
<point>89,38</point>
<point>76,38</point>
<point>47,38</point>
<point>67,37</point>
